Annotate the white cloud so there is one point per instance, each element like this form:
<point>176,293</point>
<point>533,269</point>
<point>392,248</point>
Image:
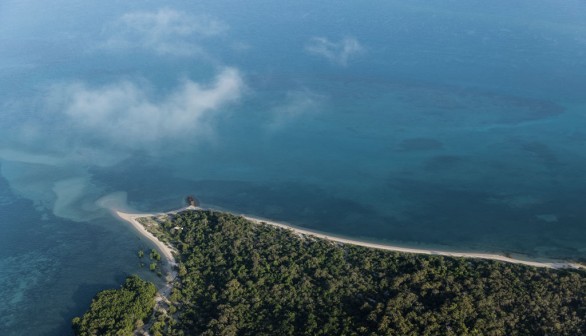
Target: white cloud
<point>125,114</point>
<point>336,52</point>
<point>166,32</point>
<point>296,105</point>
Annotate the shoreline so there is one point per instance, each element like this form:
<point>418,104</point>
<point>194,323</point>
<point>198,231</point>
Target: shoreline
<point>131,218</point>
<point>167,251</point>
<point>394,248</point>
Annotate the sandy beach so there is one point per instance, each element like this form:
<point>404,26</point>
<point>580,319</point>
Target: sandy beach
<point>167,251</point>
<point>131,218</point>
<point>489,256</point>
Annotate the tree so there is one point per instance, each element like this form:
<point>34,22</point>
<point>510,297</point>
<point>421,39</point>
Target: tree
<point>117,311</point>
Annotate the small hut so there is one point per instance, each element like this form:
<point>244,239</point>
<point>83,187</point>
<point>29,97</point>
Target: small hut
<point>192,201</point>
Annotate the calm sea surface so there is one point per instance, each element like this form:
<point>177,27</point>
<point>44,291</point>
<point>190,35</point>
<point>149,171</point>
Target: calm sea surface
<point>458,125</point>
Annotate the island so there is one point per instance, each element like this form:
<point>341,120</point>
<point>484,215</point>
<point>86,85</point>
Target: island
<point>229,274</point>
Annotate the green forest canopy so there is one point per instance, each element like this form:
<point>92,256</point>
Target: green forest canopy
<point>118,311</point>
<point>240,278</point>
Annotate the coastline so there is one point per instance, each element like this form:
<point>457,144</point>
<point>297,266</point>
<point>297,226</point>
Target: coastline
<point>131,218</point>
<point>167,251</point>
<point>401,249</point>
<point>162,298</point>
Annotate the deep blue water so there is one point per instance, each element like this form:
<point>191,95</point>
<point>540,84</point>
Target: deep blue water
<point>456,124</point>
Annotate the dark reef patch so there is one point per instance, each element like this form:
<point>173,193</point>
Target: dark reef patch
<point>420,144</point>
<point>541,152</point>
<point>442,162</point>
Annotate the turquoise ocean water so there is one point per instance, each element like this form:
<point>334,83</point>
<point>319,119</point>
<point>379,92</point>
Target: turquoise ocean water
<point>455,124</point>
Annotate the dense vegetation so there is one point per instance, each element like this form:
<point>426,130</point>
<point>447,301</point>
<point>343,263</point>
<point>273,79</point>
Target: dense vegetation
<point>240,278</point>
<point>118,311</point>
